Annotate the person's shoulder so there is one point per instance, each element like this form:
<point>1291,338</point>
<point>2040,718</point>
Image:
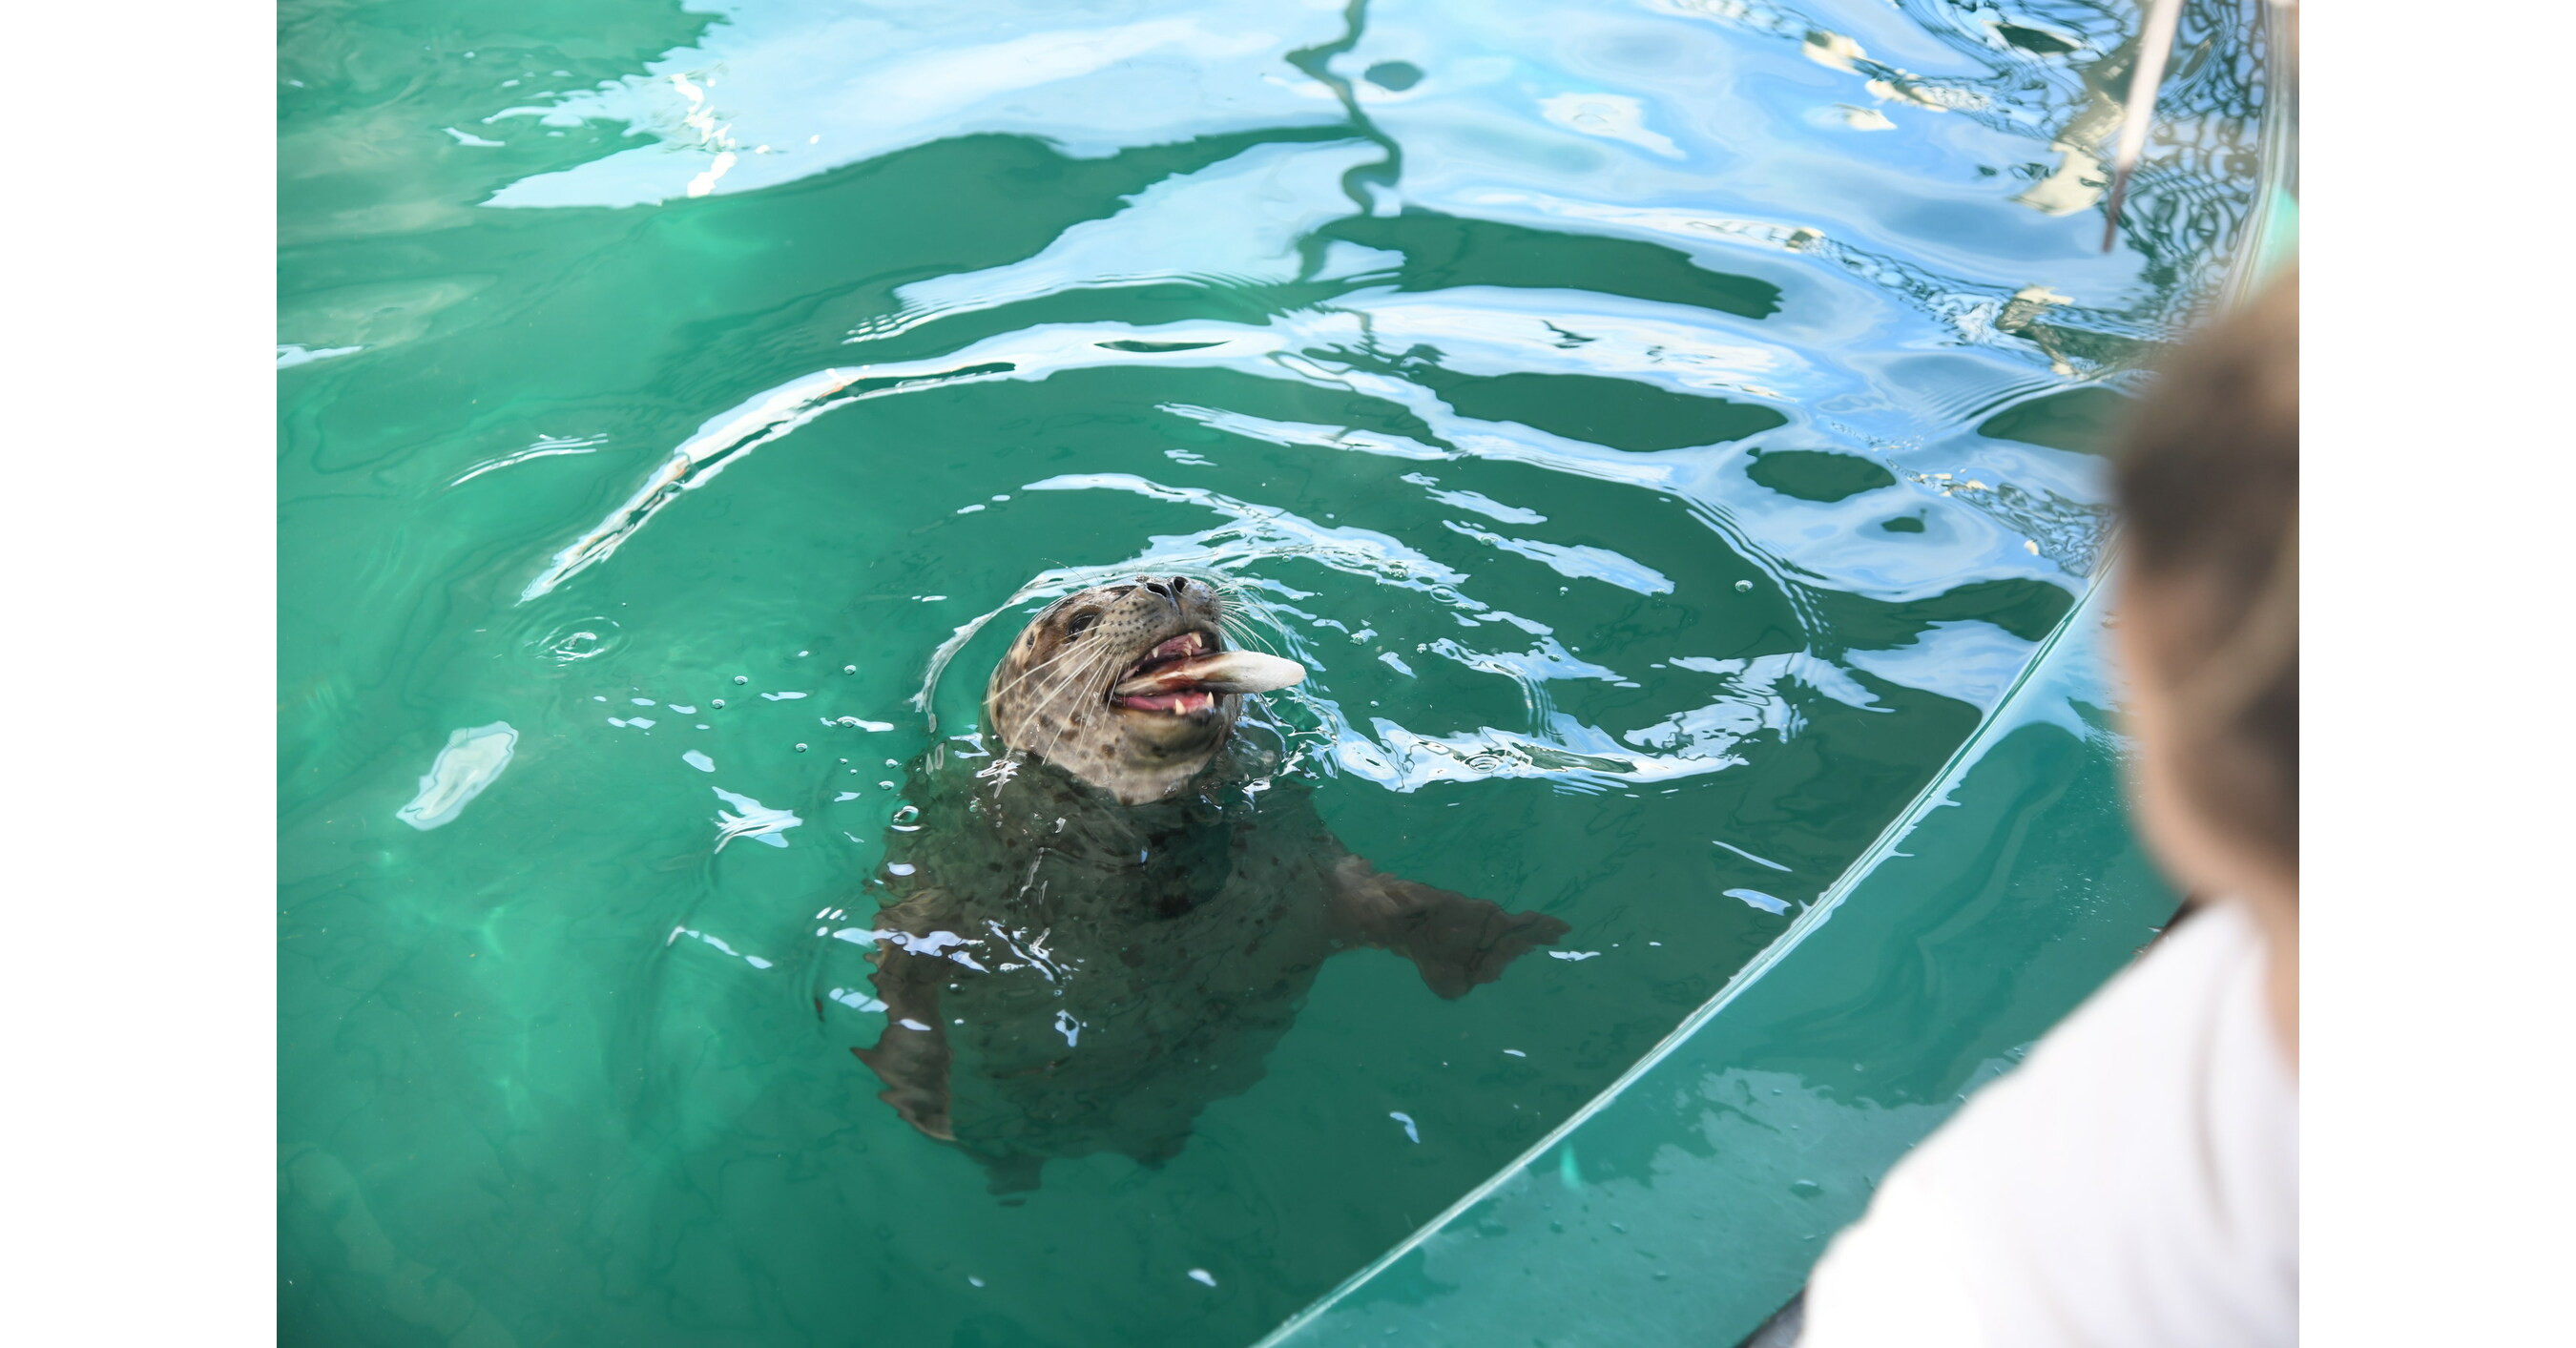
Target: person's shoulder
<point>2132,1182</point>
<point>2166,1040</point>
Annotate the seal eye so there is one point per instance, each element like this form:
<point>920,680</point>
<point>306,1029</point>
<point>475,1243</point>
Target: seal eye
<point>1080,623</point>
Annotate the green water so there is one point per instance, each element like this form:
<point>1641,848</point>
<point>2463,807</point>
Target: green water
<point>1659,465</point>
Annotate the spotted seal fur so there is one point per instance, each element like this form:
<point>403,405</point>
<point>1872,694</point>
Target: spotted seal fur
<point>1105,922</point>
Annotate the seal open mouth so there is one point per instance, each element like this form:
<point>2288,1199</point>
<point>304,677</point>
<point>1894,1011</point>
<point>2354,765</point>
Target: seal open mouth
<point>1184,676</point>
<point>1157,682</point>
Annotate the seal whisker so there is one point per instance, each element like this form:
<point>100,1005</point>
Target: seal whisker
<point>1024,675</point>
<point>1093,681</point>
<point>1084,674</point>
<point>1041,706</point>
<point>1069,649</point>
<point>1246,633</point>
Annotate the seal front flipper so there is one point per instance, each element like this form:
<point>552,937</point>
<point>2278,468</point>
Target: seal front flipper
<point>1457,942</point>
<point>911,1056</point>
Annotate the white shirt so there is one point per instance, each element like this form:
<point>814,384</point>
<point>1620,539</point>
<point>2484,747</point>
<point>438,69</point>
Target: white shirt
<point>2135,1183</point>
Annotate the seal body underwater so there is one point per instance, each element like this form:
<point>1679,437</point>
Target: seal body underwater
<point>1090,934</point>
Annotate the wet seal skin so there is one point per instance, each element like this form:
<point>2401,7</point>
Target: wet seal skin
<point>1090,934</point>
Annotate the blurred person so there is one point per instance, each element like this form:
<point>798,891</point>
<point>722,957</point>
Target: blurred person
<point>2135,1182</point>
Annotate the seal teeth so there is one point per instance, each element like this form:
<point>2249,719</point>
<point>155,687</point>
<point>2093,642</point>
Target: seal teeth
<point>1182,647</point>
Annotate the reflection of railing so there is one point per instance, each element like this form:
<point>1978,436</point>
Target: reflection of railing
<point>2057,71</point>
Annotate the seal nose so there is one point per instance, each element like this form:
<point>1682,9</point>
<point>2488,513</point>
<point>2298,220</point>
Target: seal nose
<point>1171,588</point>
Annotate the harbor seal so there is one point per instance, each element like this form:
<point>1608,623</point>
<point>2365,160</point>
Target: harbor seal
<point>1091,932</point>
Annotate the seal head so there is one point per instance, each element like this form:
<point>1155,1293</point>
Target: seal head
<point>1128,686</point>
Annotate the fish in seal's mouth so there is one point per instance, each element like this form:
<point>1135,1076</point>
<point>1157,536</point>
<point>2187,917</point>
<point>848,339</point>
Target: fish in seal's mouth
<point>1184,675</point>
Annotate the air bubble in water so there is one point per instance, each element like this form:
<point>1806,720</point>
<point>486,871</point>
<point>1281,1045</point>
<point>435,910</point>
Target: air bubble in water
<point>742,678</point>
<point>717,703</point>
<point>849,669</point>
<point>1744,587</point>
<point>800,748</point>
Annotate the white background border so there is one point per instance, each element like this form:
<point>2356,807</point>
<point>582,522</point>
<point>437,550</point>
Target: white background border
<point>140,997</point>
